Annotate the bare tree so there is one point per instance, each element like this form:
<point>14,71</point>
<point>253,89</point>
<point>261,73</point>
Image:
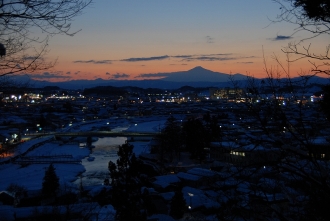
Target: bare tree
<point>20,19</point>
<point>312,17</point>
<point>282,160</point>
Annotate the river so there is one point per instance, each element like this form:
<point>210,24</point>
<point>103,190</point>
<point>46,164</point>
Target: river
<point>96,165</point>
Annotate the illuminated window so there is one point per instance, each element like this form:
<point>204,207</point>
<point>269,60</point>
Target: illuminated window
<point>237,153</point>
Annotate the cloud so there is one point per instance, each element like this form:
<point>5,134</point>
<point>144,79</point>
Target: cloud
<point>77,72</point>
<point>47,75</point>
<point>178,64</point>
<point>183,56</point>
<point>94,61</point>
<point>146,58</point>
<point>32,58</point>
<point>207,57</point>
<point>68,73</point>
<point>209,40</point>
<point>176,58</point>
<point>213,58</point>
<point>119,76</point>
<point>281,38</point>
<point>246,62</point>
<point>151,75</point>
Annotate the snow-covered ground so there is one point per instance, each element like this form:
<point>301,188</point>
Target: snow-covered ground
<point>31,176</point>
<point>93,172</point>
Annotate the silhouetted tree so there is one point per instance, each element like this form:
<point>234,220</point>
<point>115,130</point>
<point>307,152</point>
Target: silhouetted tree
<point>126,185</point>
<point>178,205</point>
<point>18,192</point>
<point>89,141</point>
<point>325,102</point>
<point>68,107</point>
<point>195,138</point>
<point>50,183</point>
<point>42,121</point>
<point>213,128</point>
<point>148,203</point>
<point>317,10</point>
<point>312,16</point>
<point>171,137</point>
<point>278,153</point>
<point>291,130</point>
<point>19,20</point>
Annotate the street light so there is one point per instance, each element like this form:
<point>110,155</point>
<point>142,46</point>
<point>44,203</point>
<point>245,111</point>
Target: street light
<point>135,127</point>
<point>190,195</point>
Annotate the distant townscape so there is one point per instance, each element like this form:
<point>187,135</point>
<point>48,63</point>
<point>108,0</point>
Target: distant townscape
<point>212,152</point>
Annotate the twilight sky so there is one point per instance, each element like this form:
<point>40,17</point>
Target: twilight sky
<point>131,39</point>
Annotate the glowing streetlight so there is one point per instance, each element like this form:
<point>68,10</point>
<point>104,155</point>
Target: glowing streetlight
<point>190,195</point>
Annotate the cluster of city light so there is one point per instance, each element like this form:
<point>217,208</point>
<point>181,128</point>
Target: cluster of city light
<point>22,98</point>
<point>316,98</point>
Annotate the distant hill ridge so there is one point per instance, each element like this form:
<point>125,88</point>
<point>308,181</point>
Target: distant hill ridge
<point>196,77</point>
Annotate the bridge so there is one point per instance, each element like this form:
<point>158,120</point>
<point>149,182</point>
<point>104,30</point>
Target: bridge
<point>26,160</point>
<point>105,134</point>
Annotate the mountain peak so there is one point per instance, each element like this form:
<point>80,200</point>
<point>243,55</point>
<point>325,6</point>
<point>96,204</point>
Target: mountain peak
<point>198,74</point>
<point>198,68</point>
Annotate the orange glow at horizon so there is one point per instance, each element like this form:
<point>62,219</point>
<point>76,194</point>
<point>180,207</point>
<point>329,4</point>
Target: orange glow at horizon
<point>132,70</point>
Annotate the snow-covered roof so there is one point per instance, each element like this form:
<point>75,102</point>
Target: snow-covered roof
<point>320,140</point>
<point>161,217</point>
<point>166,180</point>
<point>8,193</point>
<point>202,172</point>
<point>197,198</point>
<point>167,196</point>
<point>94,191</point>
<point>106,213</point>
<point>187,176</point>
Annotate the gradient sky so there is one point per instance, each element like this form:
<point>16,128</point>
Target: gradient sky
<point>132,39</point>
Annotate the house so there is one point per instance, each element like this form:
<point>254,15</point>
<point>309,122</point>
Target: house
<point>6,198</point>
<point>165,182</point>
